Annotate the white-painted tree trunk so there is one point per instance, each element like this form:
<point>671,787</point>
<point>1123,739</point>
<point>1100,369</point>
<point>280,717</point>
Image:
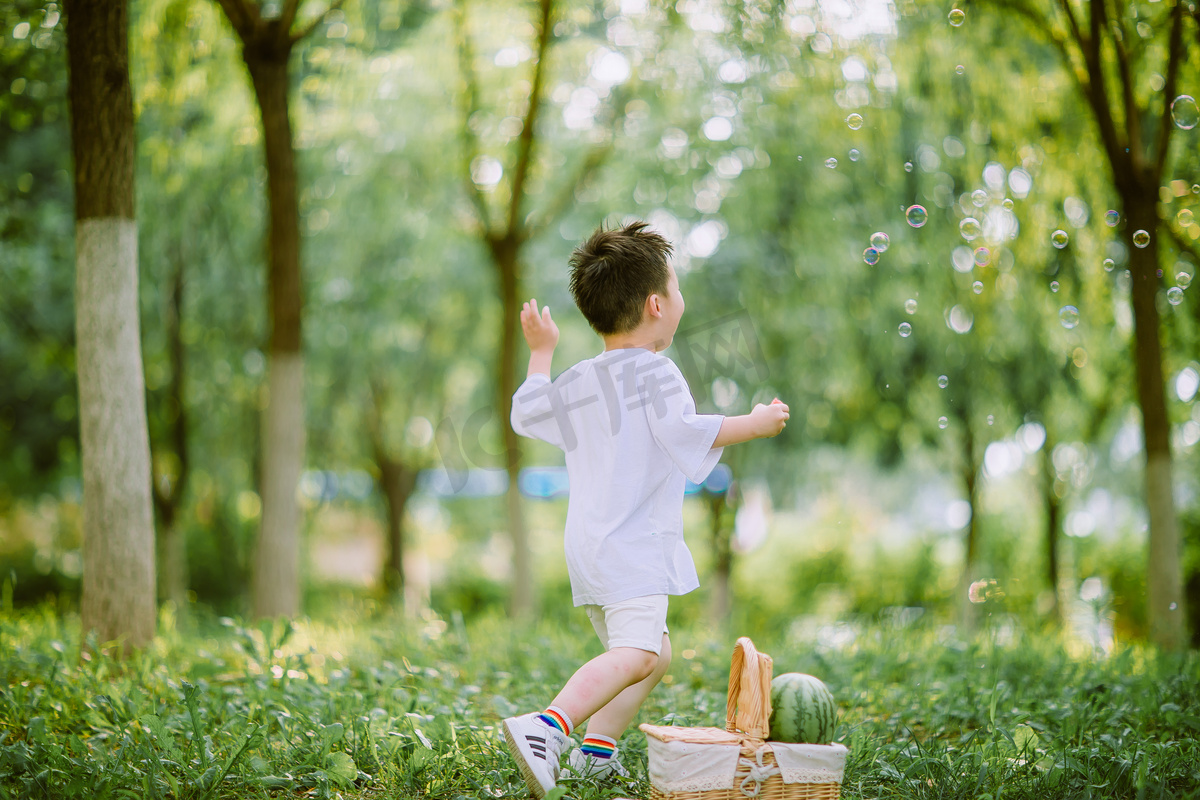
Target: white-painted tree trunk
<point>1168,626</point>
<point>118,523</point>
<point>277,558</point>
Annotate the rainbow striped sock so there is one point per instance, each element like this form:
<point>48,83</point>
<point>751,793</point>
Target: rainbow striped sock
<point>598,746</point>
<point>557,718</point>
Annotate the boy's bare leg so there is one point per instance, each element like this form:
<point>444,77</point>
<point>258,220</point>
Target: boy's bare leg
<point>599,681</point>
<point>615,716</point>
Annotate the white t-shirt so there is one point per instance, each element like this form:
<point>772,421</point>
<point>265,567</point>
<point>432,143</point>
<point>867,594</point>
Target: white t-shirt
<point>628,425</point>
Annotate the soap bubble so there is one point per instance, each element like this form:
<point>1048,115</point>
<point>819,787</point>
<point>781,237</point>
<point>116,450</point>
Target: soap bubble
<point>1007,203</point>
<point>854,121</point>
<point>1109,264</point>
<point>960,319</point>
<point>982,256</point>
<point>854,154</point>
<point>1185,217</point>
<point>905,329</point>
<point>917,216</point>
<point>799,158</point>
<point>969,228</point>
<point>963,259</point>
<point>979,198</point>
<point>1185,112</point>
<point>910,305</point>
<point>871,256</point>
<point>880,241</point>
<point>1054,286</point>
<point>1111,218</point>
<point>960,69</point>
<point>1059,239</point>
<point>991,419</point>
<point>957,17</point>
<point>1196,188</point>
<point>1141,239</point>
<point>943,381</point>
<point>908,166</point>
<point>977,287</point>
<point>943,423</point>
<point>1174,295</point>
<point>1068,316</point>
<point>831,163</point>
<point>1183,279</point>
<point>1020,182</point>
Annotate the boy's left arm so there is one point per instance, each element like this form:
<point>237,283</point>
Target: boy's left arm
<point>762,422</point>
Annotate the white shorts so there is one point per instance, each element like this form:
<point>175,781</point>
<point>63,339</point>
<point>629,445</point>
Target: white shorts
<point>638,622</point>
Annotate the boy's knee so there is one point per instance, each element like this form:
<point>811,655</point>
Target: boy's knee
<point>647,664</point>
<point>664,655</point>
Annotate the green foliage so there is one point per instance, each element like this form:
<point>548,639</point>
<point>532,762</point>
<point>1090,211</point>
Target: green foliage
<point>367,704</point>
<point>38,425</point>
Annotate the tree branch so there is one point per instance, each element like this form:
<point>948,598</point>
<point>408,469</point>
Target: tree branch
<point>592,162</point>
<point>1098,95</point>
<point>528,138</point>
<point>288,15</point>
<point>470,103</point>
<point>1085,44</point>
<point>1042,25</point>
<point>243,15</point>
<point>1089,75</point>
<point>1133,121</point>
<point>1174,56</point>
<point>565,198</point>
<point>304,32</point>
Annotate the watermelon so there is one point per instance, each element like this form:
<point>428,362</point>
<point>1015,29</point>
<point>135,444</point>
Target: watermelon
<point>802,710</point>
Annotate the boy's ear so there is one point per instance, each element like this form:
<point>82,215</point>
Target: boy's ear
<point>653,306</point>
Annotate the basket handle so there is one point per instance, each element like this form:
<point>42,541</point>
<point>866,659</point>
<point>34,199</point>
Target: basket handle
<point>748,705</point>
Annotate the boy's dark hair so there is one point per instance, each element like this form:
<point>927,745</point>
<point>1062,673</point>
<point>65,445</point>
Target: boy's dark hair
<point>613,273</point>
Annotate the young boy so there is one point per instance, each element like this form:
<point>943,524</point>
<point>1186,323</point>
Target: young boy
<point>628,425</point>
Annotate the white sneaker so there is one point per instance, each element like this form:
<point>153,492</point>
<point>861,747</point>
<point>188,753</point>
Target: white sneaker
<point>584,766</point>
<point>537,748</point>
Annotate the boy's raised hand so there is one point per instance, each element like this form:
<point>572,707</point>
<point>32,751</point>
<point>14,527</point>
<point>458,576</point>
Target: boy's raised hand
<point>541,333</point>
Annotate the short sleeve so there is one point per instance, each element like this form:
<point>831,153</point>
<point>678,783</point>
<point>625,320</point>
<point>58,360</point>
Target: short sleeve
<point>687,437</point>
<point>535,414</point>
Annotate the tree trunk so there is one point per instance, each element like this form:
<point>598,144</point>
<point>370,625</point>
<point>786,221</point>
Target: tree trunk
<point>168,490</point>
<point>276,575</point>
<point>276,580</point>
<point>1164,580</point>
<point>1053,524</point>
<point>396,482</point>
<point>722,553</point>
<point>521,602</point>
<point>970,476</point>
<point>118,526</point>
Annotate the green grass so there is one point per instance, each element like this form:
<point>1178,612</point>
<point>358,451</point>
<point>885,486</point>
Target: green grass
<point>371,705</point>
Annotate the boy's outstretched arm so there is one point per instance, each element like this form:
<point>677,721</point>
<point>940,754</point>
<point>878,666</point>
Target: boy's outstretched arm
<point>541,334</point>
<point>762,422</point>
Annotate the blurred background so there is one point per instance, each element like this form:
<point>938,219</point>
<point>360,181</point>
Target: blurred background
<point>904,219</point>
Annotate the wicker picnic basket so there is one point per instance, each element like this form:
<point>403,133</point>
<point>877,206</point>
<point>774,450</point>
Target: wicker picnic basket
<point>738,762</point>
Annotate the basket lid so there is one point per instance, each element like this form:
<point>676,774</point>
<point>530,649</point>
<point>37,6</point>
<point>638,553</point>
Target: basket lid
<point>674,733</point>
